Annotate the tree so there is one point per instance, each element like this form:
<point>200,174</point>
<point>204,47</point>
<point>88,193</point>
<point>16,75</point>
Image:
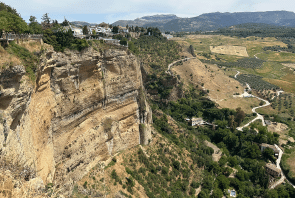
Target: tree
<point>7,8</point>
<point>268,154</point>
<point>33,19</point>
<point>191,50</point>
<point>10,22</point>
<point>115,29</point>
<point>85,30</point>
<point>253,151</point>
<point>65,23</point>
<point>223,182</point>
<point>272,194</point>
<point>34,26</point>
<point>124,41</point>
<point>46,21</point>
<point>217,193</point>
<point>240,115</point>
<point>93,32</point>
<point>204,193</point>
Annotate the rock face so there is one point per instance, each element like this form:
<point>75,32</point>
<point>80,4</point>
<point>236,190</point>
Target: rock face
<point>84,108</point>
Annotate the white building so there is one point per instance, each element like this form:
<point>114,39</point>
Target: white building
<point>77,31</point>
<point>197,121</point>
<point>168,36</point>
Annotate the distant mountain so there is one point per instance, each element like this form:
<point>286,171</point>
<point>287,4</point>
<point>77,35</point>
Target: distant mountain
<point>212,21</point>
<point>82,23</point>
<point>147,20</point>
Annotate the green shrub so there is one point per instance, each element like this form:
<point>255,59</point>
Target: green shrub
<point>29,60</point>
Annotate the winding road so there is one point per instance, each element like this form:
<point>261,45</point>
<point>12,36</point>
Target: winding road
<point>260,117</point>
<point>170,65</point>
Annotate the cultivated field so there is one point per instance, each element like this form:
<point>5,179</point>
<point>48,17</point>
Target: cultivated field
<point>230,50</point>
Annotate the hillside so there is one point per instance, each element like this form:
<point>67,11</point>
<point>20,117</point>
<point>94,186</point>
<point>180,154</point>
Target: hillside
<point>147,21</point>
<point>176,118</point>
<point>214,21</point>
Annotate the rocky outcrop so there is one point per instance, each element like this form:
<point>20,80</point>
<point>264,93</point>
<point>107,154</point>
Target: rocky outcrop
<point>83,108</point>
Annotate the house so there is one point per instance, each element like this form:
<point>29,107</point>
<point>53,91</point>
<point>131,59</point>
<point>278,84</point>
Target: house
<point>272,170</point>
<point>77,31</point>
<point>275,150</point>
<point>123,29</point>
<point>197,121</point>
<point>168,36</point>
<point>267,122</point>
<point>232,193</point>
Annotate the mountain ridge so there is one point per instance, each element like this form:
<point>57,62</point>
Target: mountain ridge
<point>212,21</point>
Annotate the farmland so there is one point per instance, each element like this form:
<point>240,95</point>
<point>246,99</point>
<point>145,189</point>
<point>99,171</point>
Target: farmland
<point>274,67</point>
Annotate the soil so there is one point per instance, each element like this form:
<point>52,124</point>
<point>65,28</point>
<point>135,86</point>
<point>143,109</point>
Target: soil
<point>217,152</point>
<point>282,130</point>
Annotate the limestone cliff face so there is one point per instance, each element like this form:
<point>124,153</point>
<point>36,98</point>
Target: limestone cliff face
<point>84,108</point>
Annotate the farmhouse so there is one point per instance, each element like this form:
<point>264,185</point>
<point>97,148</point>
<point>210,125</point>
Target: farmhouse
<point>272,170</point>
<point>196,121</point>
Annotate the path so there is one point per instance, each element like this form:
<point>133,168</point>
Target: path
<point>259,117</point>
<point>170,65</point>
<point>256,56</point>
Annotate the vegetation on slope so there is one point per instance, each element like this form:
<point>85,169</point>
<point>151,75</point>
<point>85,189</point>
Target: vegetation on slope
<point>155,52</point>
<point>29,60</point>
<point>10,20</point>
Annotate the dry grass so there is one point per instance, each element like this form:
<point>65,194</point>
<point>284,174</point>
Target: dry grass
<point>16,179</point>
<point>32,46</point>
<point>8,60</point>
<point>291,65</point>
<point>246,104</point>
<point>230,50</point>
<point>215,80</point>
<point>267,110</point>
<point>282,130</point>
<point>284,84</point>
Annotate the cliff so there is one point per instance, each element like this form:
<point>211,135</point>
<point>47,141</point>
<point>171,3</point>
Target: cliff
<point>83,108</point>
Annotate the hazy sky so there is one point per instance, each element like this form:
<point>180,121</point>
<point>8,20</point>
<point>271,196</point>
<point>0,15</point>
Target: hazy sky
<point>109,11</point>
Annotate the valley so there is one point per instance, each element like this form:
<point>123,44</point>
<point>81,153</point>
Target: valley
<point>158,107</point>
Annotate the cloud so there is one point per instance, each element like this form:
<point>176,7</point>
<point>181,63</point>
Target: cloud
<point>113,10</point>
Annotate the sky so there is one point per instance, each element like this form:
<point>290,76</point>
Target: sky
<point>109,11</point>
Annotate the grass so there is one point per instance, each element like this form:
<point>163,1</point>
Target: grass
<point>290,162</point>
<point>29,60</point>
<point>266,110</point>
<point>247,119</point>
<point>246,104</point>
<point>285,85</point>
<point>277,56</point>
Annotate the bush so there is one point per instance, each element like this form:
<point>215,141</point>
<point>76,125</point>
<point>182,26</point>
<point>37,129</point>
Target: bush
<point>195,184</point>
<point>176,165</point>
<point>29,60</point>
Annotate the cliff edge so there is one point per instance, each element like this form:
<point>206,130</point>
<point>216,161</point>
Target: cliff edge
<point>84,108</point>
